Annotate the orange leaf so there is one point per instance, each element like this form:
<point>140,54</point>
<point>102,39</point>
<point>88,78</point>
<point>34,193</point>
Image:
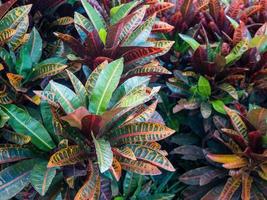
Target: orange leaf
<point>230,187</point>
<point>224,158</point>
<point>246,186</point>
<point>116,169</point>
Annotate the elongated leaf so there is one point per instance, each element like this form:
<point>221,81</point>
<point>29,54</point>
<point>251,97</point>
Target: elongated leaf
<point>141,34</point>
<point>191,41</point>
<point>123,11</point>
<point>15,178</point>
<point>160,6</point>
<point>128,86</point>
<point>41,177</point>
<point>104,153</point>
<point>87,191</point>
<point>14,17</point>
<point>130,183</point>
<point>67,156</point>
<point>21,30</point>
<point>229,89</point>
<point>23,123</point>
<point>203,86</point>
<point>105,85</point>
<point>132,22</point>
<point>3,118</point>
<point>79,88</point>
<point>162,27</point>
<point>45,69</point>
<point>81,21</point>
<point>140,132</point>
<point>146,70</point>
<point>237,52</point>
<point>116,169</point>
<point>237,122</point>
<point>257,117</point>
<point>230,187</point>
<point>201,176</point>
<point>125,152</point>
<point>246,186</point>
<point>65,97</point>
<point>214,7</point>
<point>94,16</point>
<point>139,167</point>
<point>16,137</point>
<point>63,21</point>
<point>152,156</point>
<point>14,154</point>
<point>6,34</point>
<point>186,8</point>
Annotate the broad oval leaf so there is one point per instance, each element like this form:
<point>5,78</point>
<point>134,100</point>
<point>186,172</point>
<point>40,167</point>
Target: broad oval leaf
<point>23,123</point>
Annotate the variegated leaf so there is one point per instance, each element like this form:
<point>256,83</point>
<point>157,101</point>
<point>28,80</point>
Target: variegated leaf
<point>139,167</point>
<point>139,132</point>
<point>230,187</point>
<point>67,156</point>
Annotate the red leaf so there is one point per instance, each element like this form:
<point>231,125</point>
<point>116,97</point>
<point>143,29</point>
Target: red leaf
<point>5,7</point>
<point>91,123</point>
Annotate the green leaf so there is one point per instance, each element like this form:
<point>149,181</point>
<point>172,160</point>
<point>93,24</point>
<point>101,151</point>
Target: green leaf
<point>259,42</point>
<point>16,137</point>
<point>15,178</point>
<point>218,105</point>
<point>203,86</point>
<point>103,35</point>
<point>24,63</point>
<point>35,45</point>
<point>233,22</point>
<point>191,41</point>
<point>41,177</point>
<point>3,118</point>
<point>14,17</point>
<point>94,16</point>
<point>81,21</point>
<point>104,153</point>
<point>23,123</point>
<point>119,12</point>
<point>106,83</point>
<point>128,86</point>
<point>141,34</point>
<point>79,88</point>
<point>68,100</point>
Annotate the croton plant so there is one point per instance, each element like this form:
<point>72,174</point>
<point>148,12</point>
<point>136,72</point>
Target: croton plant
<point>131,100</point>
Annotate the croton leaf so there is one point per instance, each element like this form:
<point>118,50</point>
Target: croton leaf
<point>23,123</point>
<point>116,169</point>
<point>66,156</point>
<point>94,16</point>
<point>6,34</point>
<point>230,187</point>
<point>68,100</point>
<point>14,154</point>
<point>125,152</point>
<point>13,17</point>
<point>123,11</point>
<point>105,85</point>
<point>104,153</point>
<point>79,88</point>
<point>246,186</point>
<point>204,87</point>
<point>138,132</point>
<point>139,167</point>
<point>35,45</point>
<point>41,177</point>
<point>257,117</point>
<point>152,156</point>
<point>14,178</point>
<point>16,137</point>
<point>191,41</point>
<point>5,7</point>
<point>237,122</point>
<point>3,118</point>
<point>88,189</point>
<point>201,176</point>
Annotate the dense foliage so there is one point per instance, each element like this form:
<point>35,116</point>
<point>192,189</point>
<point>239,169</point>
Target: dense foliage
<point>142,99</point>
